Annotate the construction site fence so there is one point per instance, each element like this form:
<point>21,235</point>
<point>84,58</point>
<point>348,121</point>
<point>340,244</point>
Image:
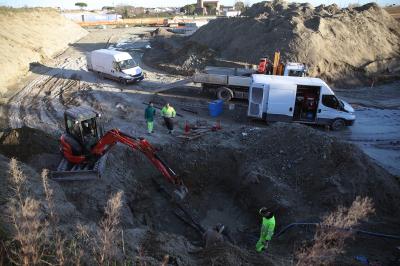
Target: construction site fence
<point>129,21</point>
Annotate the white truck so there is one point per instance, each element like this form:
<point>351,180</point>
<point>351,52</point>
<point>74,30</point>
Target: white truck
<point>115,65</point>
<point>228,83</point>
<point>297,99</point>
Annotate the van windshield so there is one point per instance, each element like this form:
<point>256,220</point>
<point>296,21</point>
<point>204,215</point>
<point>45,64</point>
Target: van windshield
<point>127,64</point>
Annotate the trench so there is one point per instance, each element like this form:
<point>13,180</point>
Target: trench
<point>213,196</point>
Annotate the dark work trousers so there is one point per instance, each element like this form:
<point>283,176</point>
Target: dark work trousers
<point>169,123</point>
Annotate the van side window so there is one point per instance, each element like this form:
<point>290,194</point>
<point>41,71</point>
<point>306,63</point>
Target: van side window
<point>116,66</point>
<point>330,101</point>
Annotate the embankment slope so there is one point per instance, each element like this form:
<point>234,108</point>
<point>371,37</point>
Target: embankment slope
<point>31,35</point>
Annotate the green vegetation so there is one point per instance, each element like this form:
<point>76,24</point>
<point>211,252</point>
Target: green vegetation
<point>239,5</point>
<point>81,4</point>
<point>189,9</point>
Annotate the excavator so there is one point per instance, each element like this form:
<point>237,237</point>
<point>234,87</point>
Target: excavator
<point>84,147</point>
<point>266,67</point>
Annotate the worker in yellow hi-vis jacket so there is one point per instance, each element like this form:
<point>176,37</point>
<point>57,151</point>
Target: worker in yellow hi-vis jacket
<point>267,229</point>
<point>168,112</point>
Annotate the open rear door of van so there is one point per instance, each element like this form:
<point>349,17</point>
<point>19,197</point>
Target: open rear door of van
<point>258,100</point>
<point>281,101</point>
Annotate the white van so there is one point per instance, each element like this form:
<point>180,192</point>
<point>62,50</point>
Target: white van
<point>114,65</point>
<point>297,99</point>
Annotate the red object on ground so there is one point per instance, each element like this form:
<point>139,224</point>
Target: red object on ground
<point>217,126</point>
<point>187,127</point>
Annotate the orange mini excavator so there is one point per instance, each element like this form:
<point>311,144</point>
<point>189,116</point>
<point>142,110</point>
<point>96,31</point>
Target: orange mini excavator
<point>84,146</point>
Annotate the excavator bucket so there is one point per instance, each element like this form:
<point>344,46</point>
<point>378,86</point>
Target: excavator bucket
<point>181,192</point>
<point>68,172</point>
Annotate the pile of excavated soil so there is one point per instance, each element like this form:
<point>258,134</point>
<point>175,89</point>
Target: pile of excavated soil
<point>31,35</point>
<point>25,143</point>
<point>32,146</point>
<point>342,46</point>
<point>161,32</point>
<point>293,168</point>
<point>170,55</point>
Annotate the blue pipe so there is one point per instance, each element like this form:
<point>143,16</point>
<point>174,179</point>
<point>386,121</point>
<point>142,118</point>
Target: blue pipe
<point>338,228</point>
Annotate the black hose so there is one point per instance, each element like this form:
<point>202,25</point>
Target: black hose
<point>286,228</point>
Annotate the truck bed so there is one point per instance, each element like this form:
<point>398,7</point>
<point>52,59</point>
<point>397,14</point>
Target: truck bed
<point>229,71</point>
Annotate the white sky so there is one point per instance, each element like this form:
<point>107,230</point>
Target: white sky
<point>96,4</point>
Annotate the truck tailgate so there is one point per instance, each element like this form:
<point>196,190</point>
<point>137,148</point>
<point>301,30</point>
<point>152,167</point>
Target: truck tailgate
<point>239,81</point>
<point>210,78</point>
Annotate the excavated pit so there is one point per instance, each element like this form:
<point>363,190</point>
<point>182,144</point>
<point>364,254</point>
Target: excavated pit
<point>29,145</point>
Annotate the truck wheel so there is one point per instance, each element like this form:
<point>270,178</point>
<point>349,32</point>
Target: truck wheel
<point>100,74</point>
<point>122,81</point>
<point>225,94</point>
<point>338,124</point>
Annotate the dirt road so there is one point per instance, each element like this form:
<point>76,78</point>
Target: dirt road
<point>377,128</point>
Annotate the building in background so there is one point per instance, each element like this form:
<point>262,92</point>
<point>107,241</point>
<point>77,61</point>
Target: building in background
<point>208,7</point>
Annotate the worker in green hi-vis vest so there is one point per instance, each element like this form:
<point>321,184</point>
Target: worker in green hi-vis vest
<point>267,229</point>
<point>149,114</point>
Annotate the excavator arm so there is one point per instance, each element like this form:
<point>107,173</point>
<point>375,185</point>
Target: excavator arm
<point>114,136</point>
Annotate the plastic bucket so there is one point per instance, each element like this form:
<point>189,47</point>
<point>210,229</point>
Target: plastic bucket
<point>215,107</point>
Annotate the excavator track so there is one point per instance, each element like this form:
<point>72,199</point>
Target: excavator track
<point>78,172</point>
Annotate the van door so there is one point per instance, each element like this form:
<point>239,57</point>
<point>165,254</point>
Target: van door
<point>115,70</point>
<point>281,102</point>
<point>329,108</point>
<point>258,99</point>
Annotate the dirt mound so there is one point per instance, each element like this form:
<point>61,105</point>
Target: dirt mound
<point>170,55</point>
<point>302,173</point>
<point>161,32</point>
<point>26,143</point>
<point>339,45</point>
<point>31,35</point>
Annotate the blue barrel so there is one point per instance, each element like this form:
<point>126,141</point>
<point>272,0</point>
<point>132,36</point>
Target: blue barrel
<point>215,107</point>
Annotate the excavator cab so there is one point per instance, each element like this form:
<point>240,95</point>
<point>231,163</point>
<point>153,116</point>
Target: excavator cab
<point>84,125</point>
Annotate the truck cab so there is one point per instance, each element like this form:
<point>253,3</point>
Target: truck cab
<point>297,99</point>
<point>295,70</point>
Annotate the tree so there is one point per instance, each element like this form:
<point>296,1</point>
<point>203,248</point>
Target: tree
<point>239,6</point>
<point>189,9</point>
<point>108,8</point>
<point>81,4</point>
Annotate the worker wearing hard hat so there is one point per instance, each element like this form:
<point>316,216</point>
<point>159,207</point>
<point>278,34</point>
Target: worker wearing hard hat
<point>267,229</point>
<point>168,112</point>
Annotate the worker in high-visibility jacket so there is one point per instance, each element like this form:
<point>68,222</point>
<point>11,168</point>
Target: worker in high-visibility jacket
<point>168,112</point>
<point>267,229</point>
<point>149,114</point>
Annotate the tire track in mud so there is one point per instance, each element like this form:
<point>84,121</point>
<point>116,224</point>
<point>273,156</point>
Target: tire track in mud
<point>39,103</point>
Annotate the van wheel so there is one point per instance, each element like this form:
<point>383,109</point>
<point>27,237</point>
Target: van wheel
<point>122,81</point>
<point>338,124</point>
<point>225,94</point>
